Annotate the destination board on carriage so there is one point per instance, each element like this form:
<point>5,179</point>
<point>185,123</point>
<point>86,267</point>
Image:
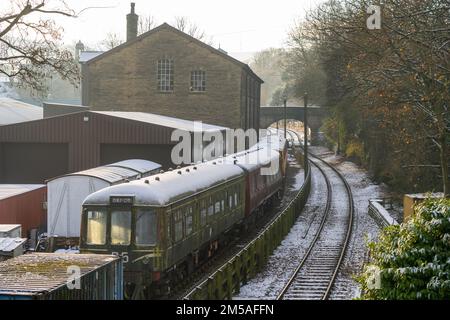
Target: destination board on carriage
<point>121,199</point>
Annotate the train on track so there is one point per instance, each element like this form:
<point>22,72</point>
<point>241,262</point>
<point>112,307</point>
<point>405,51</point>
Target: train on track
<point>166,226</point>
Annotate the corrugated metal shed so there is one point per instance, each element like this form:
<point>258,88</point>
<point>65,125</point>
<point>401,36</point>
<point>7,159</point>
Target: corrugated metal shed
<point>80,141</point>
<point>46,275</point>
<point>14,111</point>
<point>23,204</point>
<point>66,193</point>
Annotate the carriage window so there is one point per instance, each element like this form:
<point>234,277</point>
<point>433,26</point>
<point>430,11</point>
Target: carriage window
<point>230,200</point>
<point>146,227</point>
<point>96,227</point>
<point>236,199</point>
<point>203,212</point>
<point>178,224</point>
<point>217,206</point>
<point>210,207</point>
<point>188,218</point>
<point>121,227</point>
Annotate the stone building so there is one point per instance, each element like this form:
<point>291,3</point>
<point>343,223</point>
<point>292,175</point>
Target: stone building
<point>168,72</point>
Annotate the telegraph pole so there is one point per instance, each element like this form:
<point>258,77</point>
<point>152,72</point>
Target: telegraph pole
<point>285,116</point>
<point>305,129</point>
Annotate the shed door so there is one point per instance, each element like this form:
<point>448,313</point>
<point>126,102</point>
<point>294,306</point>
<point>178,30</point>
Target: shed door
<point>32,162</point>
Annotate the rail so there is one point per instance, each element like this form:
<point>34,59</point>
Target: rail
<point>227,279</point>
<point>322,260</point>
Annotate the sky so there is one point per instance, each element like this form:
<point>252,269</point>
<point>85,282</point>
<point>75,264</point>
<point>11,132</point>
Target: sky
<point>238,26</point>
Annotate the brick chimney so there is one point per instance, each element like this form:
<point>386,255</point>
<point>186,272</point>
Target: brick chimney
<point>132,23</point>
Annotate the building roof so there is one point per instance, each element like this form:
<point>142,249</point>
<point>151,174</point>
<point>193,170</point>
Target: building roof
<point>164,121</point>
<point>166,26</point>
<point>14,111</point>
<point>36,273</point>
<point>11,190</point>
<point>139,165</point>
<point>116,172</point>
<point>11,244</point>
<point>8,227</point>
<point>85,56</point>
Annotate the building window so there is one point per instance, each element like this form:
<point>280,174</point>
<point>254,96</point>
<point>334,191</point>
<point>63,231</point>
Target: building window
<point>165,75</point>
<point>198,81</point>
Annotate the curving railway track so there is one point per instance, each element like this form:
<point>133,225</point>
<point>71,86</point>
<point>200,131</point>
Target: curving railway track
<point>314,277</point>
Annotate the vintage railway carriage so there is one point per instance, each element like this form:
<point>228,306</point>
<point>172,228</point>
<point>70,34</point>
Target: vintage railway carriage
<point>165,224</point>
<point>264,178</point>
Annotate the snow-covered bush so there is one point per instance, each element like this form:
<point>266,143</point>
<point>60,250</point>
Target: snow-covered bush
<point>412,260</point>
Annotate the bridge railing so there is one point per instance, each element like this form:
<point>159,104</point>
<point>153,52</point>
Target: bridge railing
<point>380,214</point>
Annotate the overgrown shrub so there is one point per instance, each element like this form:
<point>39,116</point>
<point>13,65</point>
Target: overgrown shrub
<point>412,260</point>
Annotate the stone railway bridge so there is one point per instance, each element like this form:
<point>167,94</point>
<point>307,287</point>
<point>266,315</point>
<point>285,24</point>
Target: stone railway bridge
<point>316,115</point>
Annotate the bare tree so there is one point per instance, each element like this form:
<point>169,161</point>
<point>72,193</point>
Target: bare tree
<point>111,41</point>
<point>401,69</point>
<point>30,43</point>
<point>146,23</point>
<point>192,29</point>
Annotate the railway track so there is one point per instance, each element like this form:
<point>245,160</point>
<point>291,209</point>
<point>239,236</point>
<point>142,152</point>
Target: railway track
<point>314,277</point>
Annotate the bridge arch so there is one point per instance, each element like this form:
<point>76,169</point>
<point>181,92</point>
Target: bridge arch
<point>316,115</point>
<point>292,124</point>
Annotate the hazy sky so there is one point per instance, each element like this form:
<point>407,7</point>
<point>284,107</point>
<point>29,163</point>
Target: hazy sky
<point>237,25</point>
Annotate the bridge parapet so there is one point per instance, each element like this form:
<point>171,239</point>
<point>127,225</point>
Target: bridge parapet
<point>316,115</point>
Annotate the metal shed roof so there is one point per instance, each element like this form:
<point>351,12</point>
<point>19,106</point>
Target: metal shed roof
<point>116,172</point>
<point>11,190</point>
<point>11,244</point>
<point>14,111</point>
<point>9,227</point>
<point>164,121</point>
<point>139,165</point>
<point>31,274</point>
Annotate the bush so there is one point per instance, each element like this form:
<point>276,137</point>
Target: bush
<point>355,151</point>
<point>412,260</point>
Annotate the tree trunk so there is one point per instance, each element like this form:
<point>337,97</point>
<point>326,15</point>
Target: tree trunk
<point>444,163</point>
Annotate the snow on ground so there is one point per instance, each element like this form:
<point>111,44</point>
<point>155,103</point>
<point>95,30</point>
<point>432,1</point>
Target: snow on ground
<point>268,283</point>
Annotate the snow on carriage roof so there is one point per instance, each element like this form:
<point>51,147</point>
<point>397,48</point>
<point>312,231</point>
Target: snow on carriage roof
<point>256,157</point>
<point>164,121</point>
<point>171,186</point>
<point>116,172</point>
<point>272,141</point>
<point>139,165</point>
<point>14,111</point>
